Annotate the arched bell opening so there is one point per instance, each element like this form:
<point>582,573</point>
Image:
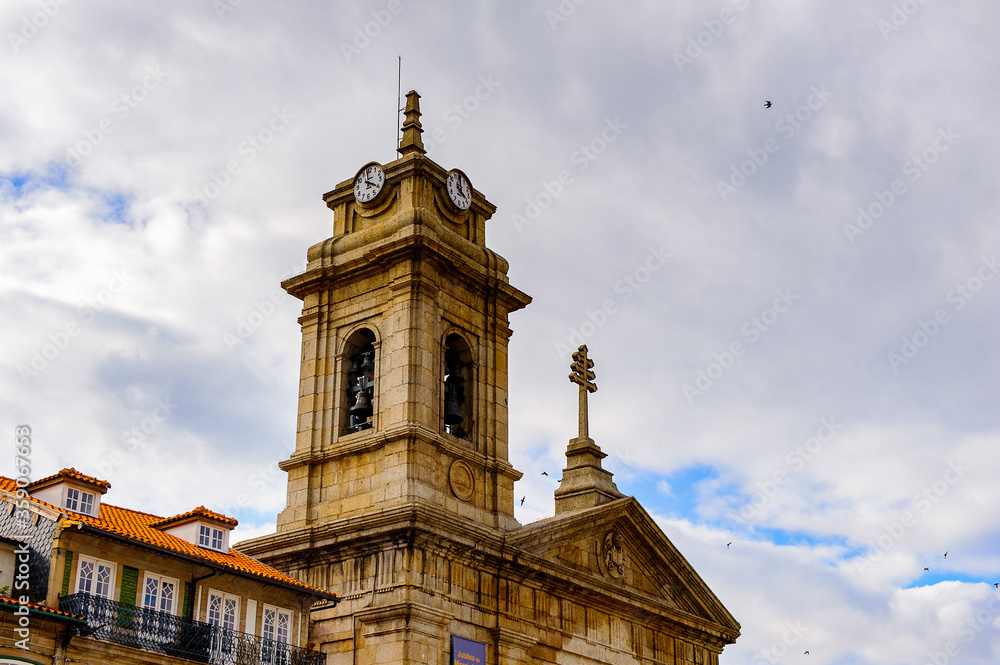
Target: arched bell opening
<point>457,408</point>
<point>359,382</point>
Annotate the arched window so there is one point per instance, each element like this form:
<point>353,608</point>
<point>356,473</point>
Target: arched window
<point>457,402</point>
<point>359,359</point>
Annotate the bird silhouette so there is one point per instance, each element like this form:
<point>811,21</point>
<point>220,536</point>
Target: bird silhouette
<point>728,544</point>
<point>545,473</point>
<point>926,569</point>
<point>945,555</point>
<point>522,500</point>
<point>767,104</point>
<point>997,585</point>
<point>806,653</point>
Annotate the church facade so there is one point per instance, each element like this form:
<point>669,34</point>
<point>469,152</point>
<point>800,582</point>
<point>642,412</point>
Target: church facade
<point>400,491</point>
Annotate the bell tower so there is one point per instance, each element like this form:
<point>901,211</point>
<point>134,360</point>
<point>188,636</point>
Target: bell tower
<point>400,492</point>
<point>403,382</point>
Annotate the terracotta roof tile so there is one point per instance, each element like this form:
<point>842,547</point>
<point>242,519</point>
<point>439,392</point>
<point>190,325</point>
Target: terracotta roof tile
<point>139,526</point>
<point>200,511</point>
<point>72,474</point>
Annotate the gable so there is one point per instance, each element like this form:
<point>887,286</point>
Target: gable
<point>618,544</point>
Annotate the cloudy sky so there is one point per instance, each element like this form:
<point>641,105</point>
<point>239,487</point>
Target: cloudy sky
<point>792,310</point>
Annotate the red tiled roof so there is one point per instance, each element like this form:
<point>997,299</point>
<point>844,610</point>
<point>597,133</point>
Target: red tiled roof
<point>72,474</point>
<point>44,609</point>
<point>140,527</point>
<point>200,511</point>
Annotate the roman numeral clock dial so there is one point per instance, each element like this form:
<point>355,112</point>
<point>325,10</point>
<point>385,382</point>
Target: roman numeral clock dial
<point>368,183</point>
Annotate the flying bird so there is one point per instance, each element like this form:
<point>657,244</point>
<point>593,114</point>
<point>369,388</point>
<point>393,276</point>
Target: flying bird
<point>806,653</point>
<point>925,569</point>
<point>945,555</point>
<point>997,585</point>
<point>728,544</point>
<point>767,104</point>
<point>522,500</point>
<point>545,473</point>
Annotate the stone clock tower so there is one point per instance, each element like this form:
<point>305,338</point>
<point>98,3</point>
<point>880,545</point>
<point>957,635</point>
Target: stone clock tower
<point>400,492</point>
<point>403,386</point>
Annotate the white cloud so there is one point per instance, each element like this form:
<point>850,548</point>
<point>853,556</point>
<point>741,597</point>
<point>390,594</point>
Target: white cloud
<point>193,277</point>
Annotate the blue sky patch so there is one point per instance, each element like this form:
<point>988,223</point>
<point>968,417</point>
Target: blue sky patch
<point>682,498</point>
<point>941,573</point>
<point>18,184</point>
<point>800,538</point>
<point>111,205</point>
<point>115,208</point>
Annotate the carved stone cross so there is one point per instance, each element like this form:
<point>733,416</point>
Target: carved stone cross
<point>582,375</point>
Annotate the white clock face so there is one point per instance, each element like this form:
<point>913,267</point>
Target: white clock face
<point>459,190</point>
<point>368,183</point>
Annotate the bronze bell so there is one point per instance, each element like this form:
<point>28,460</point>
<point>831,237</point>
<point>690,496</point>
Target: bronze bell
<point>452,415</point>
<point>355,368</point>
<point>368,364</point>
<point>362,405</point>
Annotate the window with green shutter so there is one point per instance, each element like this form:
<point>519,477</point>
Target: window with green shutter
<point>130,583</point>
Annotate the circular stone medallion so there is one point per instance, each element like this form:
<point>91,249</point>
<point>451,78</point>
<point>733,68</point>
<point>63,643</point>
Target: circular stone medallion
<point>463,484</point>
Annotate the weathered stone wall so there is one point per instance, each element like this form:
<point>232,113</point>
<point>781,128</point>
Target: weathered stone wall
<point>410,598</point>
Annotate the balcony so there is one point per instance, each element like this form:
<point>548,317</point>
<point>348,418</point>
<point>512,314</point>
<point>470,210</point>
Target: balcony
<point>164,633</point>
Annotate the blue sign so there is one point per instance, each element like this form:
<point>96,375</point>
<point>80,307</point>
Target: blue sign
<point>467,652</point>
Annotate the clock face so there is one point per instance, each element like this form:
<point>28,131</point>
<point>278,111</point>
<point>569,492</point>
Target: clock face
<point>459,190</point>
<point>368,183</point>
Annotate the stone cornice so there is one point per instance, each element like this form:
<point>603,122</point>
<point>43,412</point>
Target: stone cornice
<point>404,236</point>
<point>414,616</point>
<point>508,637</point>
<point>385,525</point>
<point>428,528</point>
<point>369,440</point>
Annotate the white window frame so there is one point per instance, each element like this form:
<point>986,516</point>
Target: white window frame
<point>97,563</point>
<point>87,503</point>
<point>158,601</point>
<point>208,536</point>
<point>75,498</point>
<point>271,654</point>
<point>223,597</point>
<point>225,642</point>
<point>72,499</point>
<point>278,612</point>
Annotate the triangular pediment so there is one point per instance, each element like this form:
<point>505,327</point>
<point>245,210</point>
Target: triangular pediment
<point>619,544</point>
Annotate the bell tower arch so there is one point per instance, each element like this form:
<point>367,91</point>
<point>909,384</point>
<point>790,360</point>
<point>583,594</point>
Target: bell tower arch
<point>404,350</point>
<point>459,378</point>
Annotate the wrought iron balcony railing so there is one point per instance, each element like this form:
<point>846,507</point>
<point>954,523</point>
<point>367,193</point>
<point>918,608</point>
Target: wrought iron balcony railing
<point>164,633</point>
